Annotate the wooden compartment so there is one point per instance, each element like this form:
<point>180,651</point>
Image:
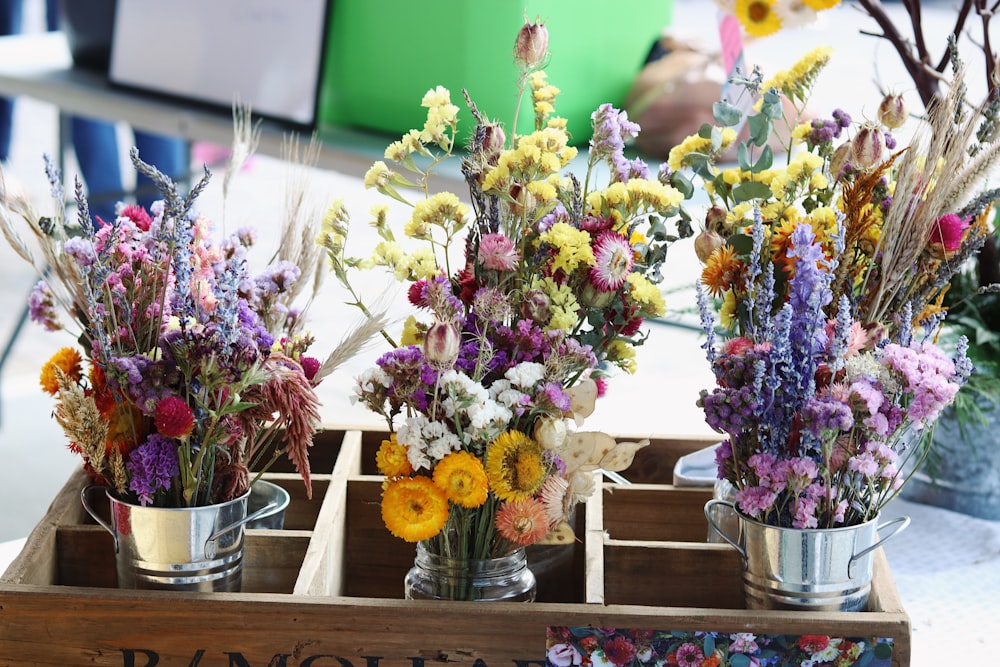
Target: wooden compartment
<point>327,590</point>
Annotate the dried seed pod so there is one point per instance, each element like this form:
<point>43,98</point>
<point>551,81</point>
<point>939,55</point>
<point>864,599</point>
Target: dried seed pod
<point>892,111</point>
<point>532,44</point>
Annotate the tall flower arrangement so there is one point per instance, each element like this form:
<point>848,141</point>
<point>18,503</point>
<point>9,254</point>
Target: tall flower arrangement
<point>829,272</point>
<point>191,373</point>
<point>526,296</point>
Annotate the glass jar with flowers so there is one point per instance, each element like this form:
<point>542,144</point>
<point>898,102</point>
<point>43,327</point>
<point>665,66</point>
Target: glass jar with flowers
<point>829,272</point>
<point>190,378</point>
<point>527,296</point>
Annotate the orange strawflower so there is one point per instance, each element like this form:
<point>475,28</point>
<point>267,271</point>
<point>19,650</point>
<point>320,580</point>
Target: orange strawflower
<point>67,360</point>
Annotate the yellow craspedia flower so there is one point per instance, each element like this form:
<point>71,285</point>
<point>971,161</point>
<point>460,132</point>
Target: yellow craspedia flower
<point>646,295</point>
<point>67,360</point>
<point>757,17</point>
<point>571,246</point>
<point>515,466</point>
<point>462,478</point>
<point>414,508</point>
<point>391,459</point>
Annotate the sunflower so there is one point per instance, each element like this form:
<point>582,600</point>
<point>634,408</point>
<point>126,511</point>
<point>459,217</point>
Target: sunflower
<point>523,522</point>
<point>514,466</point>
<point>68,361</point>
<point>462,478</point>
<point>758,17</point>
<point>721,270</point>
<point>820,5</point>
<point>414,508</point>
<point>391,459</point>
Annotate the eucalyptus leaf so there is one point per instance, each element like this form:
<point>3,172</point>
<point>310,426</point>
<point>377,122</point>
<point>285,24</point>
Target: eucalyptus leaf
<point>741,243</point>
<point>751,190</point>
<point>726,114</point>
<point>743,157</point>
<point>705,131</point>
<point>682,184</point>
<point>765,160</point>
<point>760,128</point>
<point>739,660</point>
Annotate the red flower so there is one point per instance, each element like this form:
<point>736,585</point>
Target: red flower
<point>948,231</point>
<point>174,418</point>
<point>138,215</point>
<point>813,643</point>
<point>310,366</point>
<point>416,294</point>
<point>619,651</point>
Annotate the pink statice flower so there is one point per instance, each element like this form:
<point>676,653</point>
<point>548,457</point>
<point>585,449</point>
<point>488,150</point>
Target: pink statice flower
<point>755,500</point>
<point>497,253</point>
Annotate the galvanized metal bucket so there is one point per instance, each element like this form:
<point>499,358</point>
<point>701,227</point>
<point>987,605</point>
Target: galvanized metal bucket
<point>177,548</point>
<point>265,494</point>
<point>817,569</point>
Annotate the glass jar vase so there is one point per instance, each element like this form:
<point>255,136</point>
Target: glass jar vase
<point>506,578</point>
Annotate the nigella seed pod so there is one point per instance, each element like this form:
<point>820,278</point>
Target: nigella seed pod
<point>892,111</point>
<point>550,433</point>
<point>532,44</point>
<point>441,344</point>
<point>494,139</point>
<point>536,307</point>
<point>839,160</point>
<point>707,243</point>
<point>868,147</point>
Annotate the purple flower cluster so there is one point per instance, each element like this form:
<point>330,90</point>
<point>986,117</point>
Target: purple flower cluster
<point>152,467</point>
<point>824,131</point>
<point>612,130</point>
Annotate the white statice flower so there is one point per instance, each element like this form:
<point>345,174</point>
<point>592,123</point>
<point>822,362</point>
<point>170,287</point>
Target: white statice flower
<point>487,420</point>
<point>459,393</point>
<point>868,365</point>
<point>526,374</point>
<point>409,433</point>
<point>505,394</point>
<point>440,440</point>
<point>372,380</point>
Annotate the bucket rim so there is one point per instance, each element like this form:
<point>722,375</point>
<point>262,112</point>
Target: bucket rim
<point>835,529</point>
<point>115,499</point>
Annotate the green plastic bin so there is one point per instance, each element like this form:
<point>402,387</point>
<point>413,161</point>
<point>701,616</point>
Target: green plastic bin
<point>381,57</point>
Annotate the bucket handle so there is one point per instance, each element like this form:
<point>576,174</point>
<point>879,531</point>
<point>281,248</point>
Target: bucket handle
<point>85,499</point>
<point>711,520</point>
<point>210,543</point>
<point>898,524</point>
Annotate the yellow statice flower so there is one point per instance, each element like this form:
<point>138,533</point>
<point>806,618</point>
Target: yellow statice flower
<point>442,209</point>
<point>562,304</point>
<point>677,158</point>
<point>795,83</point>
<point>544,191</point>
<point>377,176</point>
<point>621,354</point>
<point>571,245</point>
<point>400,150</point>
<point>728,311</point>
<point>646,295</point>
<point>413,333</point>
<point>441,115</point>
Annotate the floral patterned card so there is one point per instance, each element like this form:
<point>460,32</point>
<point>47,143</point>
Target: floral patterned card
<point>605,647</point>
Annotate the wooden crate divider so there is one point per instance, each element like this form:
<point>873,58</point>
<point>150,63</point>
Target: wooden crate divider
<point>327,589</point>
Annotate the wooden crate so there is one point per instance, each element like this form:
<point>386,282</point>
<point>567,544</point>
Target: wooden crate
<point>327,589</point>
